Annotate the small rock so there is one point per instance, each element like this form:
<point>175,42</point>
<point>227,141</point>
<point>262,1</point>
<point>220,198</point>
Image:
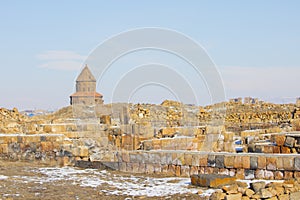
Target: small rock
<point>234,196</point>
<point>257,186</point>
<point>266,194</point>
<point>249,192</point>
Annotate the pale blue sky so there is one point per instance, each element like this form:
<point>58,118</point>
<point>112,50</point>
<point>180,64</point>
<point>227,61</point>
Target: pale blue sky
<point>255,44</point>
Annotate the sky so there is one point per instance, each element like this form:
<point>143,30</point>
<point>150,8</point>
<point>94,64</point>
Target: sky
<point>254,44</point>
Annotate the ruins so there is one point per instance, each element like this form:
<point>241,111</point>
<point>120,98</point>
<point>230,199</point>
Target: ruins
<point>257,140</point>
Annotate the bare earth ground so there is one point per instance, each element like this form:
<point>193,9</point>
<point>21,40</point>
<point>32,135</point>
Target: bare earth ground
<point>23,180</point>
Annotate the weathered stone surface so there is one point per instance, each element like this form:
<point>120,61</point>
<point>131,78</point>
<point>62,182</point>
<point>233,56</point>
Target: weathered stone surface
<point>265,193</point>
<point>249,174</point>
<point>257,186</point>
<point>278,175</point>
<point>249,192</point>
<point>285,150</point>
<point>295,196</point>
<point>284,197</point>
<point>234,196</point>
<point>253,162</point>
<point>211,161</point>
<point>261,162</point>
<point>288,163</point>
<point>231,189</point>
<point>246,162</point>
<point>297,163</point>
<point>212,180</point>
<point>279,140</point>
<point>289,141</point>
<point>238,162</point>
<point>271,163</point>
<point>219,161</point>
<point>229,161</point>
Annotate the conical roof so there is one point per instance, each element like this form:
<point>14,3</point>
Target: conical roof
<point>86,75</point>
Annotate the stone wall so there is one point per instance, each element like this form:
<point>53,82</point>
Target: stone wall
<point>45,148</point>
<point>186,163</point>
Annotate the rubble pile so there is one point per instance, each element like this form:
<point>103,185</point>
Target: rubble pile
<point>289,189</point>
<point>11,121</point>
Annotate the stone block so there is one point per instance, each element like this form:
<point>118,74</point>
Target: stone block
<point>211,161</point>
<point>203,161</point>
<point>167,144</point>
<point>171,170</point>
<point>125,156</point>
<point>297,163</point>
<point>212,180</point>
<point>157,168</point>
<point>271,163</point>
<point>188,159</point>
<point>265,193</point>
<point>284,197</point>
<point>257,186</point>
<point>261,162</point>
<point>246,162</point>
<point>267,149</point>
<point>194,170</point>
<point>154,158</point>
<point>253,162</point>
<point>249,193</point>
<point>297,175</point>
<point>156,144</point>
<point>279,163</point>
<point>135,167</point>
<point>288,175</point>
<point>288,163</point>
<point>229,161</point>
<point>278,139</point>
<point>3,148</point>
<point>259,174</point>
<point>289,142</point>
<point>295,196</point>
<point>228,136</point>
<point>177,170</point>
<point>219,161</point>
<point>285,150</point>
<point>195,160</point>
<point>240,173</point>
<point>84,152</point>
<point>29,139</point>
<point>269,175</point>
<point>230,189</point>
<point>229,147</point>
<point>278,175</point>
<point>149,169</point>
<point>224,171</point>
<point>249,174</point>
<point>233,196</point>
<point>238,162</point>
<point>185,171</point>
<point>46,146</point>
<point>276,149</point>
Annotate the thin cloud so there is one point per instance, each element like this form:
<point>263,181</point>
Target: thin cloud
<point>61,60</point>
<point>62,65</point>
<point>60,55</point>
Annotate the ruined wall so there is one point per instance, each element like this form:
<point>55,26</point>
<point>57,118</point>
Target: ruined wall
<point>186,163</point>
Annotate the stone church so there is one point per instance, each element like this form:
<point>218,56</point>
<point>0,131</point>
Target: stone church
<point>86,89</point>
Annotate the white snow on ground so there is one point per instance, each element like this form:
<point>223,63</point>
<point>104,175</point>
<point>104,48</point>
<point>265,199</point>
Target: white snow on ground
<point>115,184</point>
<point>2,177</point>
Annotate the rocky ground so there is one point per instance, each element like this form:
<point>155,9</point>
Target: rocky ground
<point>20,180</point>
